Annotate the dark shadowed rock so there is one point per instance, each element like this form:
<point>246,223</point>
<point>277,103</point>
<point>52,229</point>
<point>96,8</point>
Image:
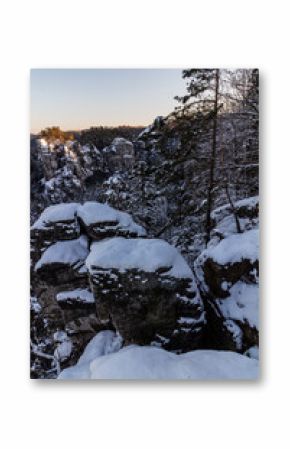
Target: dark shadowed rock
<point>146,290</point>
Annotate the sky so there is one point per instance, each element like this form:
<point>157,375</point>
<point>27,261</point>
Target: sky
<point>79,98</point>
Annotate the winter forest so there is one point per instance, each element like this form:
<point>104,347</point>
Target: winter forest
<point>145,240</point>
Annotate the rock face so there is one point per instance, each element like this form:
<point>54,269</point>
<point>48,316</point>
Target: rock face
<point>93,269</point>
<point>235,257</point>
<point>59,278</point>
<point>146,289</point>
<point>228,274</point>
<point>120,154</point>
<point>68,171</point>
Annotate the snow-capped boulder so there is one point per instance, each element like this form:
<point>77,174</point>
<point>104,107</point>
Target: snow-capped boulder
<point>221,266</point>
<point>227,276</point>
<point>76,303</point>
<point>63,262</point>
<point>247,214</point>
<point>101,221</point>
<point>147,290</point>
<point>57,222</point>
<point>58,214</point>
<point>103,359</point>
<point>59,247</point>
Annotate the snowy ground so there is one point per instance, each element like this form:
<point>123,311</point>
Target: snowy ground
<point>103,359</point>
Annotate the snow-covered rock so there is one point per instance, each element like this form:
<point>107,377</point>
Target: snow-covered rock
<point>102,359</point>
<point>221,266</point>
<point>149,255</point>
<point>56,214</point>
<point>79,296</point>
<point>152,130</point>
<point>245,208</point>
<point>101,221</point>
<point>63,261</point>
<point>147,290</point>
<point>119,155</point>
<point>58,222</point>
<point>242,304</point>
<point>247,214</point>
<point>60,283</point>
<point>227,276</point>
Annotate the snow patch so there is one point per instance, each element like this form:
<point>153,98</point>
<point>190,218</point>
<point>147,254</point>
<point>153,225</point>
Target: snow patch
<point>105,342</point>
<point>153,363</point>
<point>82,295</point>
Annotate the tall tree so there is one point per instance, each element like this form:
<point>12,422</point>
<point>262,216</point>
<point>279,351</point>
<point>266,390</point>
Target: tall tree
<point>203,96</point>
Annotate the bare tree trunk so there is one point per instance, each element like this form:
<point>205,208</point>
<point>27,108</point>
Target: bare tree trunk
<point>212,160</point>
<point>238,226</point>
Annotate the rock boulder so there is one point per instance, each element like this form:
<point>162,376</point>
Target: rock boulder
<point>146,290</point>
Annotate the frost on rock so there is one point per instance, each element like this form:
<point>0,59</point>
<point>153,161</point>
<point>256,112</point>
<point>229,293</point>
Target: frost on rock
<point>101,221</point>
<point>147,290</point>
<point>151,363</point>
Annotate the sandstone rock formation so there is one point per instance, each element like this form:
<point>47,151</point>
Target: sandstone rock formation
<point>119,155</point>
<point>56,223</point>
<point>100,221</point>
<point>65,171</point>
<point>93,269</point>
<point>146,290</point>
<point>227,273</point>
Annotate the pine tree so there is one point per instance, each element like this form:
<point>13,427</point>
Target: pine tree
<point>203,96</point>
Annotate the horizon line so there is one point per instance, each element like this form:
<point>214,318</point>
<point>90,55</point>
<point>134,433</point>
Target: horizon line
<point>33,131</point>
